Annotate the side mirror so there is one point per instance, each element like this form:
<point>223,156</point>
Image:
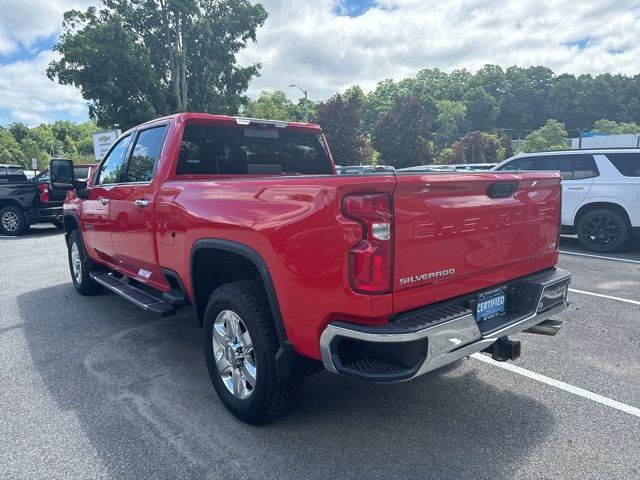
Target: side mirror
<point>82,191</point>
<point>61,175</point>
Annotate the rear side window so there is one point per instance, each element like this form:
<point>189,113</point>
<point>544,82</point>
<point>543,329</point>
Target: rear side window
<point>146,154</point>
<point>628,164</point>
<point>565,165</point>
<point>583,166</point>
<point>544,163</point>
<point>215,150</point>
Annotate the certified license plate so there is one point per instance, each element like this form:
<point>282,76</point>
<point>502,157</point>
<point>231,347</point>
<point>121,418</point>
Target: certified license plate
<point>490,304</point>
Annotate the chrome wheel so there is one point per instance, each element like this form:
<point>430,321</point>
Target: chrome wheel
<point>10,221</point>
<point>76,262</point>
<point>234,355</point>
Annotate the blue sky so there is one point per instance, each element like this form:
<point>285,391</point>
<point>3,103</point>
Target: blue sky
<point>328,45</point>
<point>353,8</point>
<point>27,52</point>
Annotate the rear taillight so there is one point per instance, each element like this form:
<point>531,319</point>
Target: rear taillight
<point>371,257</point>
<point>44,192</point>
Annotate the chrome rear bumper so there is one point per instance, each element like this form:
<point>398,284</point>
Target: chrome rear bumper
<point>395,352</point>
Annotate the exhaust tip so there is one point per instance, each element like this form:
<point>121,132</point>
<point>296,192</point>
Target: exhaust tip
<point>548,327</point>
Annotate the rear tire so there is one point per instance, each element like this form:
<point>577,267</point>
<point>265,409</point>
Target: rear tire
<point>58,224</point>
<point>603,231</point>
<point>80,266</point>
<point>240,346</point>
<point>13,221</point>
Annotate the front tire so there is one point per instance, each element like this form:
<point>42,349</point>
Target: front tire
<point>604,231</point>
<point>81,266</point>
<point>13,221</point>
<point>240,345</point>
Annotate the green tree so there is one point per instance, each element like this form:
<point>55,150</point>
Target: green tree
<point>19,131</point>
<point>341,120</point>
<point>505,143</point>
<point>430,83</point>
<point>482,109</point>
<point>492,79</point>
<point>378,102</point>
<point>615,128</point>
<point>595,99</point>
<point>459,81</point>
<point>450,120</point>
<point>276,106</point>
<point>525,102</point>
<point>136,59</point>
<point>402,135</point>
<point>478,147</point>
<point>551,136</point>
<point>563,100</point>
<point>270,105</point>
<point>10,149</point>
<point>19,143</point>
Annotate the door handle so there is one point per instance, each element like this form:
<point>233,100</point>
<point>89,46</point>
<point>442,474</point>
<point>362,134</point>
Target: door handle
<point>576,188</point>
<point>104,201</point>
<point>142,202</point>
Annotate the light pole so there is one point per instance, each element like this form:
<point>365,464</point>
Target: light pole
<point>306,102</point>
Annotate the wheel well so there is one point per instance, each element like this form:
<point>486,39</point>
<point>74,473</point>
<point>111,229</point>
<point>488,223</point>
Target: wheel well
<point>213,268</point>
<point>215,262</point>
<point>70,223</point>
<point>604,205</point>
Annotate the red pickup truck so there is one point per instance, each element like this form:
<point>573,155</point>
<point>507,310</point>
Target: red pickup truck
<point>292,268</point>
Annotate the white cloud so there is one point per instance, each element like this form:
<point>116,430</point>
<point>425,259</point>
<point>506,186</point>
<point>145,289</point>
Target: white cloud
<point>30,97</point>
<point>25,91</point>
<point>306,43</point>
<point>23,22</point>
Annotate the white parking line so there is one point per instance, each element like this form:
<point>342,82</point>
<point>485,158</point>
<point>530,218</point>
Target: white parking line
<point>625,260</point>
<point>610,297</point>
<point>623,407</point>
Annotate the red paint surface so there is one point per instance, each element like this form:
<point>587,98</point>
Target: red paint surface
<point>295,223</point>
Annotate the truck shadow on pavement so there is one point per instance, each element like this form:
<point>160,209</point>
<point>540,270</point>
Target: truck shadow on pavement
<point>35,232</point>
<point>139,388</point>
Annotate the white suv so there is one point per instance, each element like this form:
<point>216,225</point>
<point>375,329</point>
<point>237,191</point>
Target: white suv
<point>600,193</point>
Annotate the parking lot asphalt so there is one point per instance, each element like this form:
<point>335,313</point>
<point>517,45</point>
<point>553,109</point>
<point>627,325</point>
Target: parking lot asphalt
<point>93,387</point>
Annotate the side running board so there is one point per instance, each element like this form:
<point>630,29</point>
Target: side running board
<point>134,295</point>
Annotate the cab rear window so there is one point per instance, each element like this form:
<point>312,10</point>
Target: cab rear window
<point>215,150</point>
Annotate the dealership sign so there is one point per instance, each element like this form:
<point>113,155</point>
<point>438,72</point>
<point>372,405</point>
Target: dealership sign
<point>102,141</point>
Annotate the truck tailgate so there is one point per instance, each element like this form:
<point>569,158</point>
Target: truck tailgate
<point>459,233</point>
